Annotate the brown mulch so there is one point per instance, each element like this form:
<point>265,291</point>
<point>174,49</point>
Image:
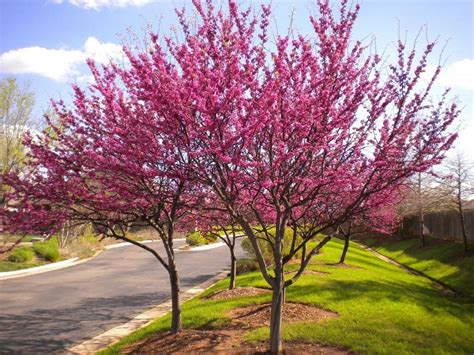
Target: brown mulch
<point>191,341</point>
<point>230,340</point>
<point>238,292</point>
<point>259,315</point>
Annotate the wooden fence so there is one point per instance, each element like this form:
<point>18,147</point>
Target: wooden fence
<point>443,225</point>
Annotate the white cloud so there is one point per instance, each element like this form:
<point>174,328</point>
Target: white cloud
<point>459,74</point>
<point>57,64</point>
<point>97,4</point>
<point>102,52</point>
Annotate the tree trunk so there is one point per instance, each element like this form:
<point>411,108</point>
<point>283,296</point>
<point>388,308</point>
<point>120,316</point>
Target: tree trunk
<point>420,213</point>
<point>401,228</point>
<point>344,250</point>
<point>463,225</point>
<point>278,297</point>
<point>276,318</point>
<point>175,304</point>
<point>422,231</point>
<point>233,269</point>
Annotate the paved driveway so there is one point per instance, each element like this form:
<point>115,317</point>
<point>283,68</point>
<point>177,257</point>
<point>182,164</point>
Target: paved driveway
<point>53,311</point>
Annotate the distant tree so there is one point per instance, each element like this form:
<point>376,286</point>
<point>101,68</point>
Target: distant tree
<point>16,105</point>
<point>423,194</point>
<point>212,219</point>
<point>228,233</point>
<point>459,179</point>
<point>378,215</point>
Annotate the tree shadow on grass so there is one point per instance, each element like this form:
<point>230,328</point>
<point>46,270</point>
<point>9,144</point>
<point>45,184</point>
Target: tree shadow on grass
<point>442,251</point>
<point>431,299</point>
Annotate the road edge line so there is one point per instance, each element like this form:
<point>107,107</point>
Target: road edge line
<point>114,335</point>
<point>63,264</point>
<point>38,269</point>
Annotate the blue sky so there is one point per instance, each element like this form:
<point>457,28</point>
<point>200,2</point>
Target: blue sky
<point>45,42</point>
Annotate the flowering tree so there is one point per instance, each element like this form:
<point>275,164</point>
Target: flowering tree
<point>282,130</point>
<point>104,162</point>
<point>298,135</point>
<point>377,214</point>
<point>213,219</point>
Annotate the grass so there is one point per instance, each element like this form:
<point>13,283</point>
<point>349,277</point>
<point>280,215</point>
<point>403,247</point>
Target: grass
<point>21,254</point>
<point>7,265</point>
<point>48,250</point>
<point>24,257</point>
<point>442,260</point>
<point>382,309</point>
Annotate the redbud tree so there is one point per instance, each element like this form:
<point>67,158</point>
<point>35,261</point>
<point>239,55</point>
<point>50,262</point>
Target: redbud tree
<point>295,133</point>
<point>213,219</point>
<point>103,162</point>
<point>286,129</point>
<point>377,214</point>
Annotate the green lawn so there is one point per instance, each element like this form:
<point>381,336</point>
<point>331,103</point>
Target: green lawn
<point>382,309</point>
<point>441,260</point>
<point>6,265</point>
<point>23,256</point>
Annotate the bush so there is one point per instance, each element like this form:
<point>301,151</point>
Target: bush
<point>266,247</point>
<point>21,255</point>
<point>48,250</point>
<point>246,265</point>
<point>196,238</point>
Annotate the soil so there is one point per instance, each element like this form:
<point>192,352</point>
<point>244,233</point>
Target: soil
<point>230,340</point>
<point>238,292</point>
<point>191,341</point>
<point>259,315</point>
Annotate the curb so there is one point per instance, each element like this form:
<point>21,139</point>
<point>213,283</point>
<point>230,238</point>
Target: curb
<point>125,244</point>
<point>206,247</point>
<point>38,269</point>
<point>62,264</point>
<point>45,268</point>
<point>113,335</point>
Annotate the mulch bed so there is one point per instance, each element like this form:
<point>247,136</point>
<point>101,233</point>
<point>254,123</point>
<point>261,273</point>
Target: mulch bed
<point>238,292</point>
<point>191,341</point>
<point>259,315</point>
<point>230,340</point>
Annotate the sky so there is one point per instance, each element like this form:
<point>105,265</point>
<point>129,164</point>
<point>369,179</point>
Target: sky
<point>45,43</point>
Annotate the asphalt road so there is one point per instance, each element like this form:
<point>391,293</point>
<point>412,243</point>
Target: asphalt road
<point>50,312</point>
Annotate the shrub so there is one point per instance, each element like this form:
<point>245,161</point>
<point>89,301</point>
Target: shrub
<point>246,265</point>
<point>48,250</point>
<point>21,255</point>
<point>196,238</point>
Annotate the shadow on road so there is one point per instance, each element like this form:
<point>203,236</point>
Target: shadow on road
<point>55,330</point>
<point>51,330</point>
